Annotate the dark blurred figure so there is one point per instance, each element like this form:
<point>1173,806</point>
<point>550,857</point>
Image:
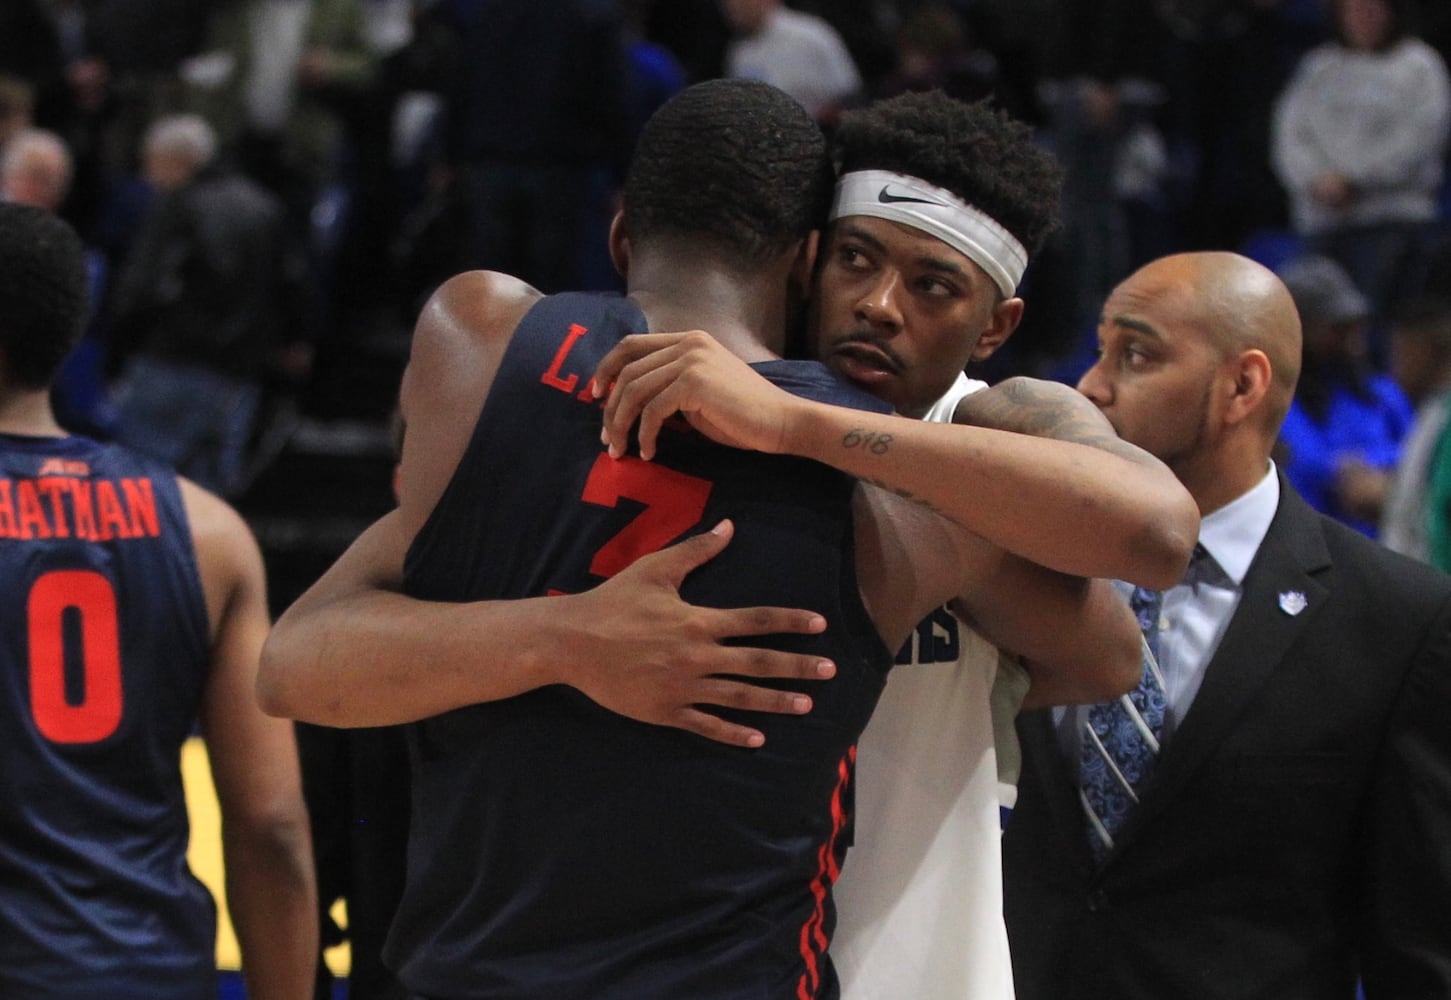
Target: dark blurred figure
<point>47,44</point>
<point>36,169</point>
<point>868,28</point>
<point>206,308</point>
<point>1101,92</point>
<point>934,51</point>
<point>17,106</point>
<point>695,31</point>
<point>538,132</point>
<point>1225,64</point>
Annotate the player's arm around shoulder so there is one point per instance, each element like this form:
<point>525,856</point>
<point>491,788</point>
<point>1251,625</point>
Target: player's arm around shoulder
<point>1075,635</point>
<point>353,650</point>
<point>267,851</point>
<point>1163,519</point>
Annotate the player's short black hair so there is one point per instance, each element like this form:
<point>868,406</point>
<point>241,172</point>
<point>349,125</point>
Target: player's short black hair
<point>43,301</point>
<point>973,149</point>
<point>736,162</point>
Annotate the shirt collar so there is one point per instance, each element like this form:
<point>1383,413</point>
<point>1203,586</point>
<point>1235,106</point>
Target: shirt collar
<point>1233,533</point>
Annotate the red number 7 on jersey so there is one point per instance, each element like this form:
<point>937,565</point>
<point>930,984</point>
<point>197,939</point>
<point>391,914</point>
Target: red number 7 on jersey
<point>674,503</point>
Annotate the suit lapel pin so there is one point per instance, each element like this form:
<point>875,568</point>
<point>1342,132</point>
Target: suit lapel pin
<point>1292,602</point>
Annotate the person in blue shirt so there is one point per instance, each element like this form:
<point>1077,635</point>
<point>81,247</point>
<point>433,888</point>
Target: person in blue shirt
<point>1342,437</point>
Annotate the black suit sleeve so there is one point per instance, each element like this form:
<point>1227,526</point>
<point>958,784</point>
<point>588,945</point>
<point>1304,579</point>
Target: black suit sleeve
<point>1406,913</point>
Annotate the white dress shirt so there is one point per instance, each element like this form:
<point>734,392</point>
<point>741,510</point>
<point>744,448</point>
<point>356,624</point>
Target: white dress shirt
<point>1197,610</point>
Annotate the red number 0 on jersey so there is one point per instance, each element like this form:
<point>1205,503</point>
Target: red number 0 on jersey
<point>99,711</point>
<point>674,502</point>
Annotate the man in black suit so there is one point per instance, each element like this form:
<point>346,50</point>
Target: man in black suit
<point>1291,835</point>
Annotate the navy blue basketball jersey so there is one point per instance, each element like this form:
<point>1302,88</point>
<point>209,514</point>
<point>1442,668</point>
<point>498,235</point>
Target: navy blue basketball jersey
<point>559,850</point>
<point>103,650</point>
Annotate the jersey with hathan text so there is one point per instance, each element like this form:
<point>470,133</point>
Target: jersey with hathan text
<point>559,850</point>
<point>103,652</point>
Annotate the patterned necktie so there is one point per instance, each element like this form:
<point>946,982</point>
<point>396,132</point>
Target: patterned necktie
<point>1121,738</point>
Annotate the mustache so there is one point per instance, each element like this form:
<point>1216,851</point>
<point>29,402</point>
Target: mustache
<point>867,338</point>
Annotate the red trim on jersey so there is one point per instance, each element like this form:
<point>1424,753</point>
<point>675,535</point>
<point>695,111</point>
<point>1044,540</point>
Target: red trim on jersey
<point>813,936</point>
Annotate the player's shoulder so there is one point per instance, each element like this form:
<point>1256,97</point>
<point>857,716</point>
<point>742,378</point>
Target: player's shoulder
<point>220,535</point>
<point>479,304</point>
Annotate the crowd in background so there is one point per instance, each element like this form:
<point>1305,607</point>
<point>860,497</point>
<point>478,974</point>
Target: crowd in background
<point>264,185</point>
<point>399,141</point>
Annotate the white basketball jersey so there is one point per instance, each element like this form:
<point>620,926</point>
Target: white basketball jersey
<point>919,900</point>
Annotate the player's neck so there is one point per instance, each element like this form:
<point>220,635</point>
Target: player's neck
<point>25,411</point>
<point>746,314</point>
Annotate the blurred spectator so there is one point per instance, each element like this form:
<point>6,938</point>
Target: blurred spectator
<point>933,52</point>
<point>1359,143</point>
<point>31,49</point>
<point>36,169</point>
<point>1101,91</point>
<point>17,106</point>
<point>797,52</point>
<point>697,33</point>
<point>1225,64</point>
<point>270,78</point>
<point>1417,518</point>
<point>539,133</point>
<point>1342,437</point>
<point>868,29</point>
<point>48,44</point>
<point>130,66</point>
<point>655,72</point>
<point>206,303</point>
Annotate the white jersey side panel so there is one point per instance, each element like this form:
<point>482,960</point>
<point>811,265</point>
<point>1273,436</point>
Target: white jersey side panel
<point>919,900</point>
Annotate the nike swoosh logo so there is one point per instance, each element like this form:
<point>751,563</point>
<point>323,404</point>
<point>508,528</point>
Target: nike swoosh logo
<point>887,198</point>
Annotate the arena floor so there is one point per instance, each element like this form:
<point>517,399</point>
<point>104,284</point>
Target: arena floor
<point>205,857</point>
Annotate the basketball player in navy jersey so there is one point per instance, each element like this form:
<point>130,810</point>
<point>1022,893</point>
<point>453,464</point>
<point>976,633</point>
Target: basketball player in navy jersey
<point>558,849</point>
<point>136,607</point>
<point>928,240</point>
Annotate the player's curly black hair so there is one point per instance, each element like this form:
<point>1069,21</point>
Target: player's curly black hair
<point>42,293</point>
<point>737,162</point>
<point>975,150</point>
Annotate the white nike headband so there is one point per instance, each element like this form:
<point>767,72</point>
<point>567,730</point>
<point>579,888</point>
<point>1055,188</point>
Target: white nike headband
<point>937,212</point>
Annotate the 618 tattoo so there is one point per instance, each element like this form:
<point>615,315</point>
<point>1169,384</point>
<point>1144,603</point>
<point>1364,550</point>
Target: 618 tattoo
<point>871,441</point>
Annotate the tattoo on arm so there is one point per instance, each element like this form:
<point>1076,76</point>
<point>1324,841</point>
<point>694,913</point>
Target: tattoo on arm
<point>904,494</point>
<point>1044,409</point>
<point>870,441</point>
<point>877,443</point>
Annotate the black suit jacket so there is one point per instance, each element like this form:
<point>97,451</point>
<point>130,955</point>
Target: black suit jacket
<point>1296,832</point>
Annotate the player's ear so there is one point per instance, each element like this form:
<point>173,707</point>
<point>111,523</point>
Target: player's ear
<point>619,245</point>
<point>1250,377</point>
<point>1006,316</point>
<point>805,263</point>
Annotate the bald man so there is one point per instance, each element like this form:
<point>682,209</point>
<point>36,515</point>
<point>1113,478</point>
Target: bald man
<point>36,169</point>
<point>1288,834</point>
